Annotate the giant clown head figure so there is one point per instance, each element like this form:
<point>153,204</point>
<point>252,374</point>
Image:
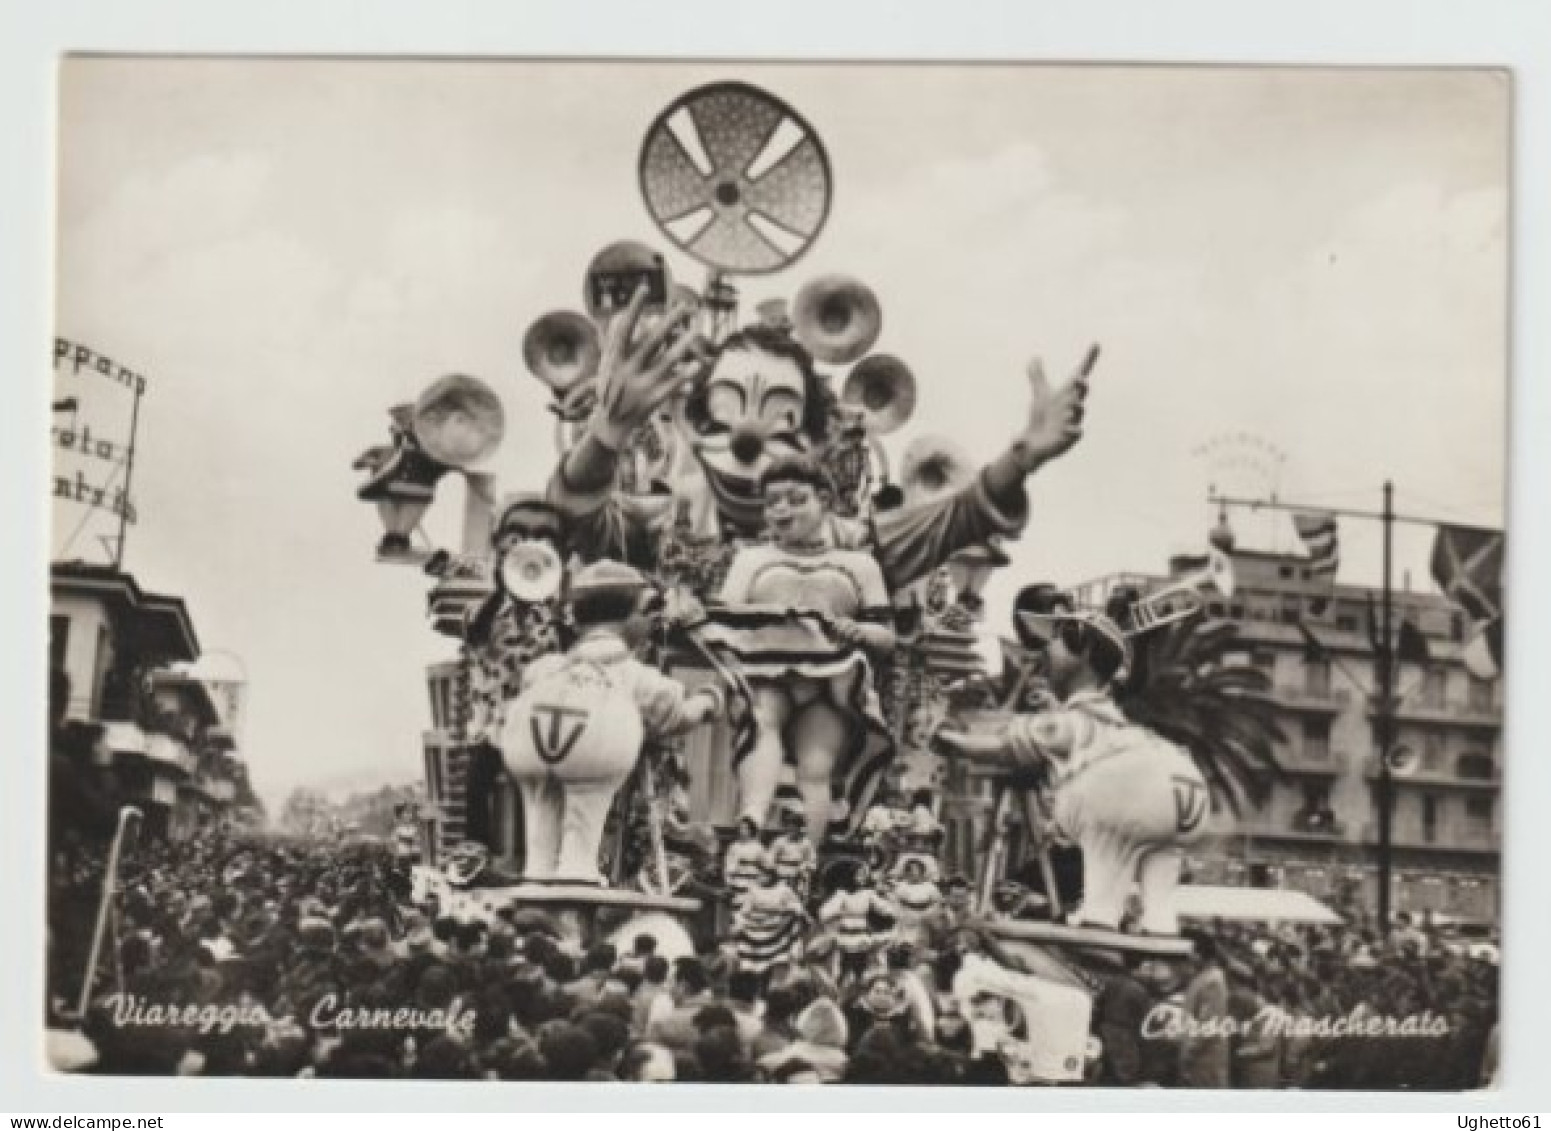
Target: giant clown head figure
<point>760,401</point>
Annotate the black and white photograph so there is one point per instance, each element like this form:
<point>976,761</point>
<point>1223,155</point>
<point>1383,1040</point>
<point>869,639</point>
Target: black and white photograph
<point>815,573</point>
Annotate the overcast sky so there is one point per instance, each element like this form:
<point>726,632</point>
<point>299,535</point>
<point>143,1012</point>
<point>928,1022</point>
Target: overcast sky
<point>1316,259</point>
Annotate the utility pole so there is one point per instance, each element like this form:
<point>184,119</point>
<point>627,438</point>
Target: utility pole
<point>1385,659</point>
<point>1384,665</point>
<point>129,468</point>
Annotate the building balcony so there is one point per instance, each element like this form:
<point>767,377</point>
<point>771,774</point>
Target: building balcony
<point>1307,763</point>
<point>1419,710</point>
<point>1330,701</point>
<point>127,739</point>
<point>1439,777</point>
<point>1301,828</point>
<point>1483,842</point>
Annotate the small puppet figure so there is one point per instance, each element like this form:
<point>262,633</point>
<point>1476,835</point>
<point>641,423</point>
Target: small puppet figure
<point>574,735</point>
<point>505,633</point>
<point>510,629</point>
<point>401,480</point>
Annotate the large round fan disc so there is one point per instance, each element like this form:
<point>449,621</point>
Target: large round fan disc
<point>735,178</point>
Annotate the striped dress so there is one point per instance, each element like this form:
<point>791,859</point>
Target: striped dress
<point>769,927</point>
<point>744,866</point>
<point>793,859</point>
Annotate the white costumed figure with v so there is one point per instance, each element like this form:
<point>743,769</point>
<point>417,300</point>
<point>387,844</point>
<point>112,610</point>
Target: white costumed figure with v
<point>1129,799</point>
<point>574,734</point>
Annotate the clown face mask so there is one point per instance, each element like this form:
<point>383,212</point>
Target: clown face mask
<point>754,405</point>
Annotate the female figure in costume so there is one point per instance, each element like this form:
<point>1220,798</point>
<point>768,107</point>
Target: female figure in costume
<point>917,897</point>
<point>851,916</point>
<point>747,860</point>
<point>792,854</point>
<point>769,925</point>
<point>805,617</point>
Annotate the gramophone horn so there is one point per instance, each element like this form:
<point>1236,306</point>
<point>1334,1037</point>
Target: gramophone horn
<point>934,466</point>
<point>561,349</point>
<point>618,271</point>
<point>883,389</point>
<point>837,318</point>
<point>531,571</point>
<point>459,420</point>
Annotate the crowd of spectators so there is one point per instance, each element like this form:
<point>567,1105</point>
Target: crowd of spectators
<point>286,958</point>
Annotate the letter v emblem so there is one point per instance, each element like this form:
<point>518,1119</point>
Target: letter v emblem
<point>555,744</point>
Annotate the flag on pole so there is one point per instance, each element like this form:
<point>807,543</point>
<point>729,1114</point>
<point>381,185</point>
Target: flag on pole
<point>1467,564</point>
<point>1317,530</point>
<point>1318,533</point>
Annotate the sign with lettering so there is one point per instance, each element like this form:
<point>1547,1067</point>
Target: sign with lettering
<point>93,433</point>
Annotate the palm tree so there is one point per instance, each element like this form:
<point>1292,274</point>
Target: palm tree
<point>1185,688</point>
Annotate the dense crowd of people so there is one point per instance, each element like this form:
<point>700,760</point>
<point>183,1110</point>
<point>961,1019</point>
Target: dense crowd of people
<point>286,958</point>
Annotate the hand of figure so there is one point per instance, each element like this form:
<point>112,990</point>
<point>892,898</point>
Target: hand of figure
<point>683,607</point>
<point>1055,416</point>
<point>944,741</point>
<point>873,637</point>
<point>637,374</point>
<point>846,630</point>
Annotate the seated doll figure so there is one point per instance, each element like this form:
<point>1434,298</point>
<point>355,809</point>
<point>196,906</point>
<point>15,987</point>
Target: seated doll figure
<point>573,736</point>
<point>813,616</point>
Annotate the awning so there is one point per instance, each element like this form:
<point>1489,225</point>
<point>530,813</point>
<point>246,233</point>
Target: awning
<point>1264,905</point>
<point>158,625</point>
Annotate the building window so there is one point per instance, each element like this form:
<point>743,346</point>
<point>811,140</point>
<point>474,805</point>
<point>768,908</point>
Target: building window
<point>58,642</point>
<point>1236,611</point>
<point>1479,694</point>
<point>1478,816</point>
<point>1434,687</point>
<point>1316,740</point>
<point>1316,815</point>
<point>1292,612</point>
<point>101,680</point>
<point>1474,766</point>
<point>1286,572</point>
<point>1432,751</point>
<point>1316,678</point>
<point>1346,623</point>
<point>1429,818</point>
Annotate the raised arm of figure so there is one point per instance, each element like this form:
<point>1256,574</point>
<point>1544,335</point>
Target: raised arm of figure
<point>1054,425</point>
<point>636,376</point>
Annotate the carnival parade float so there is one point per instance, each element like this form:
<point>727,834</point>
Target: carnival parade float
<point>734,616</point>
